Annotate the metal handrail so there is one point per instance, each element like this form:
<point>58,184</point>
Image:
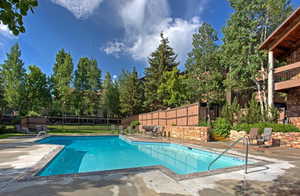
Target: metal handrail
<point>246,138</point>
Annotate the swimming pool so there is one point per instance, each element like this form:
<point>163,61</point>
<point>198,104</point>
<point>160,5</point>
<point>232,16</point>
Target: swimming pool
<point>98,153</point>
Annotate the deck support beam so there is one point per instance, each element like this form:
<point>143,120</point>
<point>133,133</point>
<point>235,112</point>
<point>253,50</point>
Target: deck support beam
<point>271,79</point>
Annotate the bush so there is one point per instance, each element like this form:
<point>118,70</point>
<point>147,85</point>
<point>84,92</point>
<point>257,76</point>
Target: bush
<point>32,114</point>
<point>204,124</point>
<point>253,114</point>
<point>276,127</point>
<point>222,127</point>
<point>134,123</point>
<point>2,128</point>
<point>232,112</point>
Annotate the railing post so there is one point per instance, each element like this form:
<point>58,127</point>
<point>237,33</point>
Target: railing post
<point>246,155</point>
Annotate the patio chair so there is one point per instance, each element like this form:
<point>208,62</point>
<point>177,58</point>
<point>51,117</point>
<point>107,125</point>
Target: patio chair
<point>160,131</point>
<point>267,136</point>
<point>121,130</point>
<point>157,131</point>
<point>42,130</point>
<point>253,135</point>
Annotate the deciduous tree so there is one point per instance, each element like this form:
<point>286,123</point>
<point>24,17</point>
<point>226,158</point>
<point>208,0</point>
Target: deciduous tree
<point>13,74</point>
<point>37,92</point>
<point>13,11</point>
<point>62,78</point>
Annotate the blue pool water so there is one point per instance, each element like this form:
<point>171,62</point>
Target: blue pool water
<point>98,153</point>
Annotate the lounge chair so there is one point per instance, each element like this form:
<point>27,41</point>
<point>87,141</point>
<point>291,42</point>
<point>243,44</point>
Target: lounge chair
<point>267,136</point>
<point>42,130</point>
<point>253,135</point>
<point>157,131</point>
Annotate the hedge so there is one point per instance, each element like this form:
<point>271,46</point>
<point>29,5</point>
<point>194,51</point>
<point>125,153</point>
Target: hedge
<point>276,127</point>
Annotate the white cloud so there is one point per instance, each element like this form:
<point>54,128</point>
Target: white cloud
<point>179,32</point>
<point>143,21</point>
<point>114,48</point>
<point>80,8</point>
<point>4,30</point>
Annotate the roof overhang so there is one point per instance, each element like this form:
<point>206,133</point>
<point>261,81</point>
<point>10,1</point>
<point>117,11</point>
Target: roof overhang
<point>285,37</point>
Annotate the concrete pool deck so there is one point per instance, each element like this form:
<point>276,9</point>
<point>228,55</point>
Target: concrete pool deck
<point>20,155</point>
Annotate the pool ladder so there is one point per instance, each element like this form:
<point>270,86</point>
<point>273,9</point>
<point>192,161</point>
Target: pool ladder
<point>246,141</point>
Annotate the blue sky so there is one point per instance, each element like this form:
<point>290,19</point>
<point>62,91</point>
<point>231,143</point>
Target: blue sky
<point>119,34</point>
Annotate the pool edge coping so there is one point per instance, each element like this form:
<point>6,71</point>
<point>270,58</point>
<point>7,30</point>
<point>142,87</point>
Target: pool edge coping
<point>46,159</point>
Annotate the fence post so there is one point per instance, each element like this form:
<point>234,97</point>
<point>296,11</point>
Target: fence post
<point>199,112</point>
<point>176,115</point>
<point>187,115</point>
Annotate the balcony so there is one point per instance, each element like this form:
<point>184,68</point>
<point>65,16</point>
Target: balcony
<point>287,77</point>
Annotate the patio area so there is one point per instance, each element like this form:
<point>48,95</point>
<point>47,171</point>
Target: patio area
<point>20,156</point>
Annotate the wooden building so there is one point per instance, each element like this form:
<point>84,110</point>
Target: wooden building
<point>284,45</point>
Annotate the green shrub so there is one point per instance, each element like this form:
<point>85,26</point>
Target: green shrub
<point>276,127</point>
<point>253,113</point>
<point>2,128</point>
<point>232,112</point>
<point>222,127</point>
<point>274,114</point>
<point>32,114</point>
<point>134,123</point>
<point>204,124</point>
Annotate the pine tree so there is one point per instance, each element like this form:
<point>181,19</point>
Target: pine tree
<point>13,79</point>
<point>87,84</point>
<point>37,93</point>
<point>131,93</point>
<point>161,60</point>
<point>62,78</point>
<point>110,97</point>
<point>172,91</point>
<point>204,70</point>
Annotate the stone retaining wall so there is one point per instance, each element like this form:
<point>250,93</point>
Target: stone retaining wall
<point>185,132</point>
<point>291,139</point>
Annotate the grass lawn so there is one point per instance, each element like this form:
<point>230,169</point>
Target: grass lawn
<point>69,129</point>
<point>64,130</point>
<point>7,135</point>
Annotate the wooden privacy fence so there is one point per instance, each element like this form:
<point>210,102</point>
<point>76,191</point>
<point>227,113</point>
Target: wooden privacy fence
<point>187,115</point>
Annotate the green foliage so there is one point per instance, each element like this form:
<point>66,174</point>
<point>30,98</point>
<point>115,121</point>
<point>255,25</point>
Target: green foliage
<point>87,75</point>
<point>172,90</point>
<point>32,114</point>
<point>13,75</point>
<point>37,92</point>
<point>62,77</point>
<point>204,124</point>
<point>222,127</point>
<point>131,93</point>
<point>13,11</point>
<point>110,97</point>
<point>204,72</point>
<point>161,60</point>
<point>276,127</point>
<point>248,26</point>
<point>272,114</point>
<point>253,113</point>
<point>87,84</point>
<point>134,123</point>
<point>232,112</point>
